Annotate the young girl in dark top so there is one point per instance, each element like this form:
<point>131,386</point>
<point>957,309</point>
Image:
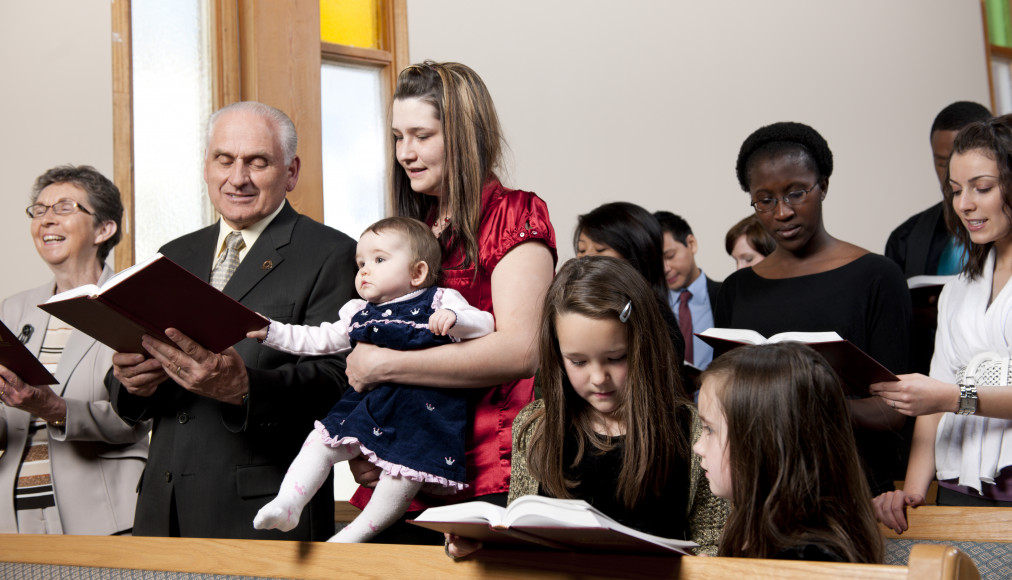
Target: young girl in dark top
<point>777,443</point>
<point>614,427</point>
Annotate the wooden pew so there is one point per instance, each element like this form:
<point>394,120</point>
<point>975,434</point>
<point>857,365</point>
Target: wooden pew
<point>975,524</point>
<point>983,534</point>
<point>327,561</point>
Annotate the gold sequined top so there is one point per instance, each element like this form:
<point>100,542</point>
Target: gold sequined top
<point>706,512</point>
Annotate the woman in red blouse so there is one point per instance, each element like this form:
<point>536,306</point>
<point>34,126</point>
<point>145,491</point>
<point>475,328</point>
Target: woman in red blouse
<point>447,147</point>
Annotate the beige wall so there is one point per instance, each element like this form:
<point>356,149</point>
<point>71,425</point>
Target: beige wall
<point>601,101</point>
<point>56,103</point>
<point>649,101</point>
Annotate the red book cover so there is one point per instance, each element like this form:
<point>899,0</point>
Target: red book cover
<point>149,297</point>
<point>16,357</point>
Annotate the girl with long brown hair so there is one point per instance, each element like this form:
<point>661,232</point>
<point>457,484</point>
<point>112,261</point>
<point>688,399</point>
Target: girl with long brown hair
<point>614,427</point>
<point>777,442</point>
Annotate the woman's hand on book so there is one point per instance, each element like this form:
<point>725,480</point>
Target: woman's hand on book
<point>40,401</point>
<point>915,395</point>
<point>457,547</point>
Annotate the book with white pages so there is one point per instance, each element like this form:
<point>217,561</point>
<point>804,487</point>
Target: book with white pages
<point>855,367</point>
<point>927,281</point>
<point>149,297</point>
<point>562,524</point>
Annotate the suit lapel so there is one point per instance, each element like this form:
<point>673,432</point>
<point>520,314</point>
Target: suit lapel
<point>78,344</point>
<point>264,256</point>
<point>198,258</point>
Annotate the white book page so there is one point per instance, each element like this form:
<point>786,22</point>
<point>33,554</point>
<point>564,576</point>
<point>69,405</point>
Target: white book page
<point>474,512</point>
<point>126,273</point>
<point>925,281</point>
<point>809,337</point>
<point>735,334</point>
<point>85,290</point>
<point>535,510</point>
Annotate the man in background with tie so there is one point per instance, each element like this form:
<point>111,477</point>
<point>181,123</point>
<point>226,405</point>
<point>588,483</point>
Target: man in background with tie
<point>226,426</point>
<point>690,293</point>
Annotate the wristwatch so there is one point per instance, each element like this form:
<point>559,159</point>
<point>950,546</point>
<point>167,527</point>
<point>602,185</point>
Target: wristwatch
<point>967,397</point>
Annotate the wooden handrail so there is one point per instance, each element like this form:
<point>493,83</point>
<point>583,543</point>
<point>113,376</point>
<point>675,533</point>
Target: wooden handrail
<point>969,524</point>
<point>312,560</point>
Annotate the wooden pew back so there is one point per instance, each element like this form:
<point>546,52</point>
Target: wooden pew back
<point>326,561</point>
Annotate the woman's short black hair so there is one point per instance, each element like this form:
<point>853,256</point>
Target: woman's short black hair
<point>784,138</point>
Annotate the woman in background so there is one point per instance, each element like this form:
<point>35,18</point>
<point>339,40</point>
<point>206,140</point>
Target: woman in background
<point>629,232</point>
<point>71,464</point>
<point>748,243</point>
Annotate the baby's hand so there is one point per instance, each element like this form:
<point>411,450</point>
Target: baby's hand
<point>442,321</point>
<point>260,334</point>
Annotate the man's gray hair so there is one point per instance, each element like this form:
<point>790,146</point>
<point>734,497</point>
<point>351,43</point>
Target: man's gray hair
<point>286,128</point>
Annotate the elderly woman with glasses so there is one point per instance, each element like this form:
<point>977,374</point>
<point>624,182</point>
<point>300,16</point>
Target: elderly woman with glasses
<point>813,282</point>
<point>70,464</point>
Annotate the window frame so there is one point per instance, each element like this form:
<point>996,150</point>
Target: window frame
<point>265,51</point>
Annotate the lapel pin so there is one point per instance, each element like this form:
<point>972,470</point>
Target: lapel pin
<point>267,265</point>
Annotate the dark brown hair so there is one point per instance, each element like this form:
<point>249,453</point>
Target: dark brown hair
<point>796,477</point>
<point>600,287</point>
<point>992,138</point>
<point>423,245</point>
<point>473,143</point>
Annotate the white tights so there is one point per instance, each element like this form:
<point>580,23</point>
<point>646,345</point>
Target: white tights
<point>390,499</point>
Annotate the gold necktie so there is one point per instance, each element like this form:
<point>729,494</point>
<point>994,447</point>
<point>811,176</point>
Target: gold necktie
<point>229,261</point>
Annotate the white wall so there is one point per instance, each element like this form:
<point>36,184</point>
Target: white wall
<point>56,103</point>
<point>649,101</point>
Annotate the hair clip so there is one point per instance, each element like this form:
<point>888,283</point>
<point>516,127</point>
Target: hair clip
<point>626,312</point>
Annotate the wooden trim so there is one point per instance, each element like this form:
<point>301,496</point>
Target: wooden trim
<point>123,127</point>
<point>323,560</point>
<point>226,72</point>
<point>344,512</point>
<point>279,48</point>
<point>344,53</point>
<point>987,56</point>
<point>964,524</point>
<point>400,36</point>
<point>1004,52</point>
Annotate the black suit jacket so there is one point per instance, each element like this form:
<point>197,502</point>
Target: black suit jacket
<point>917,244</point>
<point>220,463</point>
<point>712,288</point>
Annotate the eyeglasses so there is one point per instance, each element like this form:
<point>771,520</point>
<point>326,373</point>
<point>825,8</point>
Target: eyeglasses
<point>62,207</point>
<point>791,199</point>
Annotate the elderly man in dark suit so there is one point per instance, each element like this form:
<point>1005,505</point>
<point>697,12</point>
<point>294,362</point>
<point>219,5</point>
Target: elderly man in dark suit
<point>226,426</point>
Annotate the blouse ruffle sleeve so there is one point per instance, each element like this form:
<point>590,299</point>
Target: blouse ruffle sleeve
<point>512,217</point>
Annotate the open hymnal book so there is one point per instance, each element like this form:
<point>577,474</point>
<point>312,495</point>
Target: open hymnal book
<point>855,367</point>
<point>148,298</point>
<point>564,524</point>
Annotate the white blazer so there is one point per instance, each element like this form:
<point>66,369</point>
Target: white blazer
<point>96,458</point>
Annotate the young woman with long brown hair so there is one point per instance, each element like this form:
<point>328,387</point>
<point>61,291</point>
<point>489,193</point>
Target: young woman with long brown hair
<point>498,251</point>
